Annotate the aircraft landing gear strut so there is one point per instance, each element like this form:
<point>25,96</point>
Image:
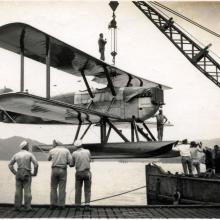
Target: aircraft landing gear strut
<point>105,133</point>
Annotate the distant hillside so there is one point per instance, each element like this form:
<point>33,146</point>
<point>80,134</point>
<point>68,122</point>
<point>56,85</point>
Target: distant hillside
<point>211,142</point>
<point>10,146</point>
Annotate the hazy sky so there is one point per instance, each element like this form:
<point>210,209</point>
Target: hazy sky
<point>192,105</point>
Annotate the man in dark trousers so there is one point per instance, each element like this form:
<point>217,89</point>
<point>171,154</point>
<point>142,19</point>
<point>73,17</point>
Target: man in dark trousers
<point>60,157</point>
<point>161,120</point>
<point>217,159</point>
<point>81,161</point>
<point>209,161</point>
<point>101,43</point>
<point>23,175</point>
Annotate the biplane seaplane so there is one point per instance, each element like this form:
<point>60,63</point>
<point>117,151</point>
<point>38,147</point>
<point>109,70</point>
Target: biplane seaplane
<point>125,99</point>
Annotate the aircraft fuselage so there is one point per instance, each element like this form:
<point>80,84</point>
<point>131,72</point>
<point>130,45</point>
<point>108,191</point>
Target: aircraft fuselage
<point>139,102</point>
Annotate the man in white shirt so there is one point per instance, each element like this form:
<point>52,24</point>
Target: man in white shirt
<point>60,157</point>
<point>81,161</point>
<point>194,151</point>
<point>23,174</point>
<point>186,160</point>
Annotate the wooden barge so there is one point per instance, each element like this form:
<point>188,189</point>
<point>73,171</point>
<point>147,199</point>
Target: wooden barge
<point>161,187</point>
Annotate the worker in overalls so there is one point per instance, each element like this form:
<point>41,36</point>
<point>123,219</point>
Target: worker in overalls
<point>161,120</point>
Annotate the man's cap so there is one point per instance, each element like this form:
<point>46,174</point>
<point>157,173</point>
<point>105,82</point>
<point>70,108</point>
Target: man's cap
<point>193,143</point>
<point>56,142</point>
<point>23,144</point>
<point>184,141</point>
<point>78,143</point>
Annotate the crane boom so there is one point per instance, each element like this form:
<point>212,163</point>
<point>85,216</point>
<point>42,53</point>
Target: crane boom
<point>197,55</point>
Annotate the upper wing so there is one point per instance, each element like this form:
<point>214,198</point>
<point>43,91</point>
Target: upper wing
<point>35,43</point>
<point>33,107</point>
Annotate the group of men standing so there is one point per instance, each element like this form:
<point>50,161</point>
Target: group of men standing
<point>61,158</point>
<point>192,154</point>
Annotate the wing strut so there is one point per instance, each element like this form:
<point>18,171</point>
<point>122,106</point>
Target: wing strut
<point>22,60</point>
<point>116,130</point>
<point>129,80</point>
<point>145,135</point>
<point>48,55</point>
<point>111,103</point>
<point>86,82</point>
<point>132,132</point>
<point>79,126</point>
<point>108,134</point>
<point>85,132</point>
<point>110,84</point>
<point>78,130</point>
<point>148,130</point>
<point>135,128</point>
<point>103,130</point>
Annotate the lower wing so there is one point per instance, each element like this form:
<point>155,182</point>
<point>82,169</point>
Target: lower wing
<point>26,108</point>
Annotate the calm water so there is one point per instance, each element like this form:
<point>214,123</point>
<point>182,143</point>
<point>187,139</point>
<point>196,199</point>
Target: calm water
<point>109,178</point>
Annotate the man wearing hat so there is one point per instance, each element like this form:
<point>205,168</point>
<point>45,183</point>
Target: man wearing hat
<point>23,175</point>
<point>195,156</point>
<point>81,161</point>
<point>60,157</point>
<point>186,159</point>
<point>161,120</point>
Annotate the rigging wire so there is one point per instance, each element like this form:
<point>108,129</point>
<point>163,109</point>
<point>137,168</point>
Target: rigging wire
<point>179,26</point>
<point>187,19</point>
<point>155,4</point>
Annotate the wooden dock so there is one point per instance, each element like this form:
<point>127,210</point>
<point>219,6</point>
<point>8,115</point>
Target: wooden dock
<point>162,211</point>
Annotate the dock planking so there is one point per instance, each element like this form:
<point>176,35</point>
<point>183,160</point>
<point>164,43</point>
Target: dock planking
<point>178,213</point>
<point>152,211</point>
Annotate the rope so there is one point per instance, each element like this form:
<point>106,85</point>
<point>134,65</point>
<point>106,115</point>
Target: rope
<point>108,197</point>
<point>119,194</point>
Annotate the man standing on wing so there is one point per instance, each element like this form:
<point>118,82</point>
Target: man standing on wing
<point>23,175</point>
<point>102,43</point>
<point>81,161</point>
